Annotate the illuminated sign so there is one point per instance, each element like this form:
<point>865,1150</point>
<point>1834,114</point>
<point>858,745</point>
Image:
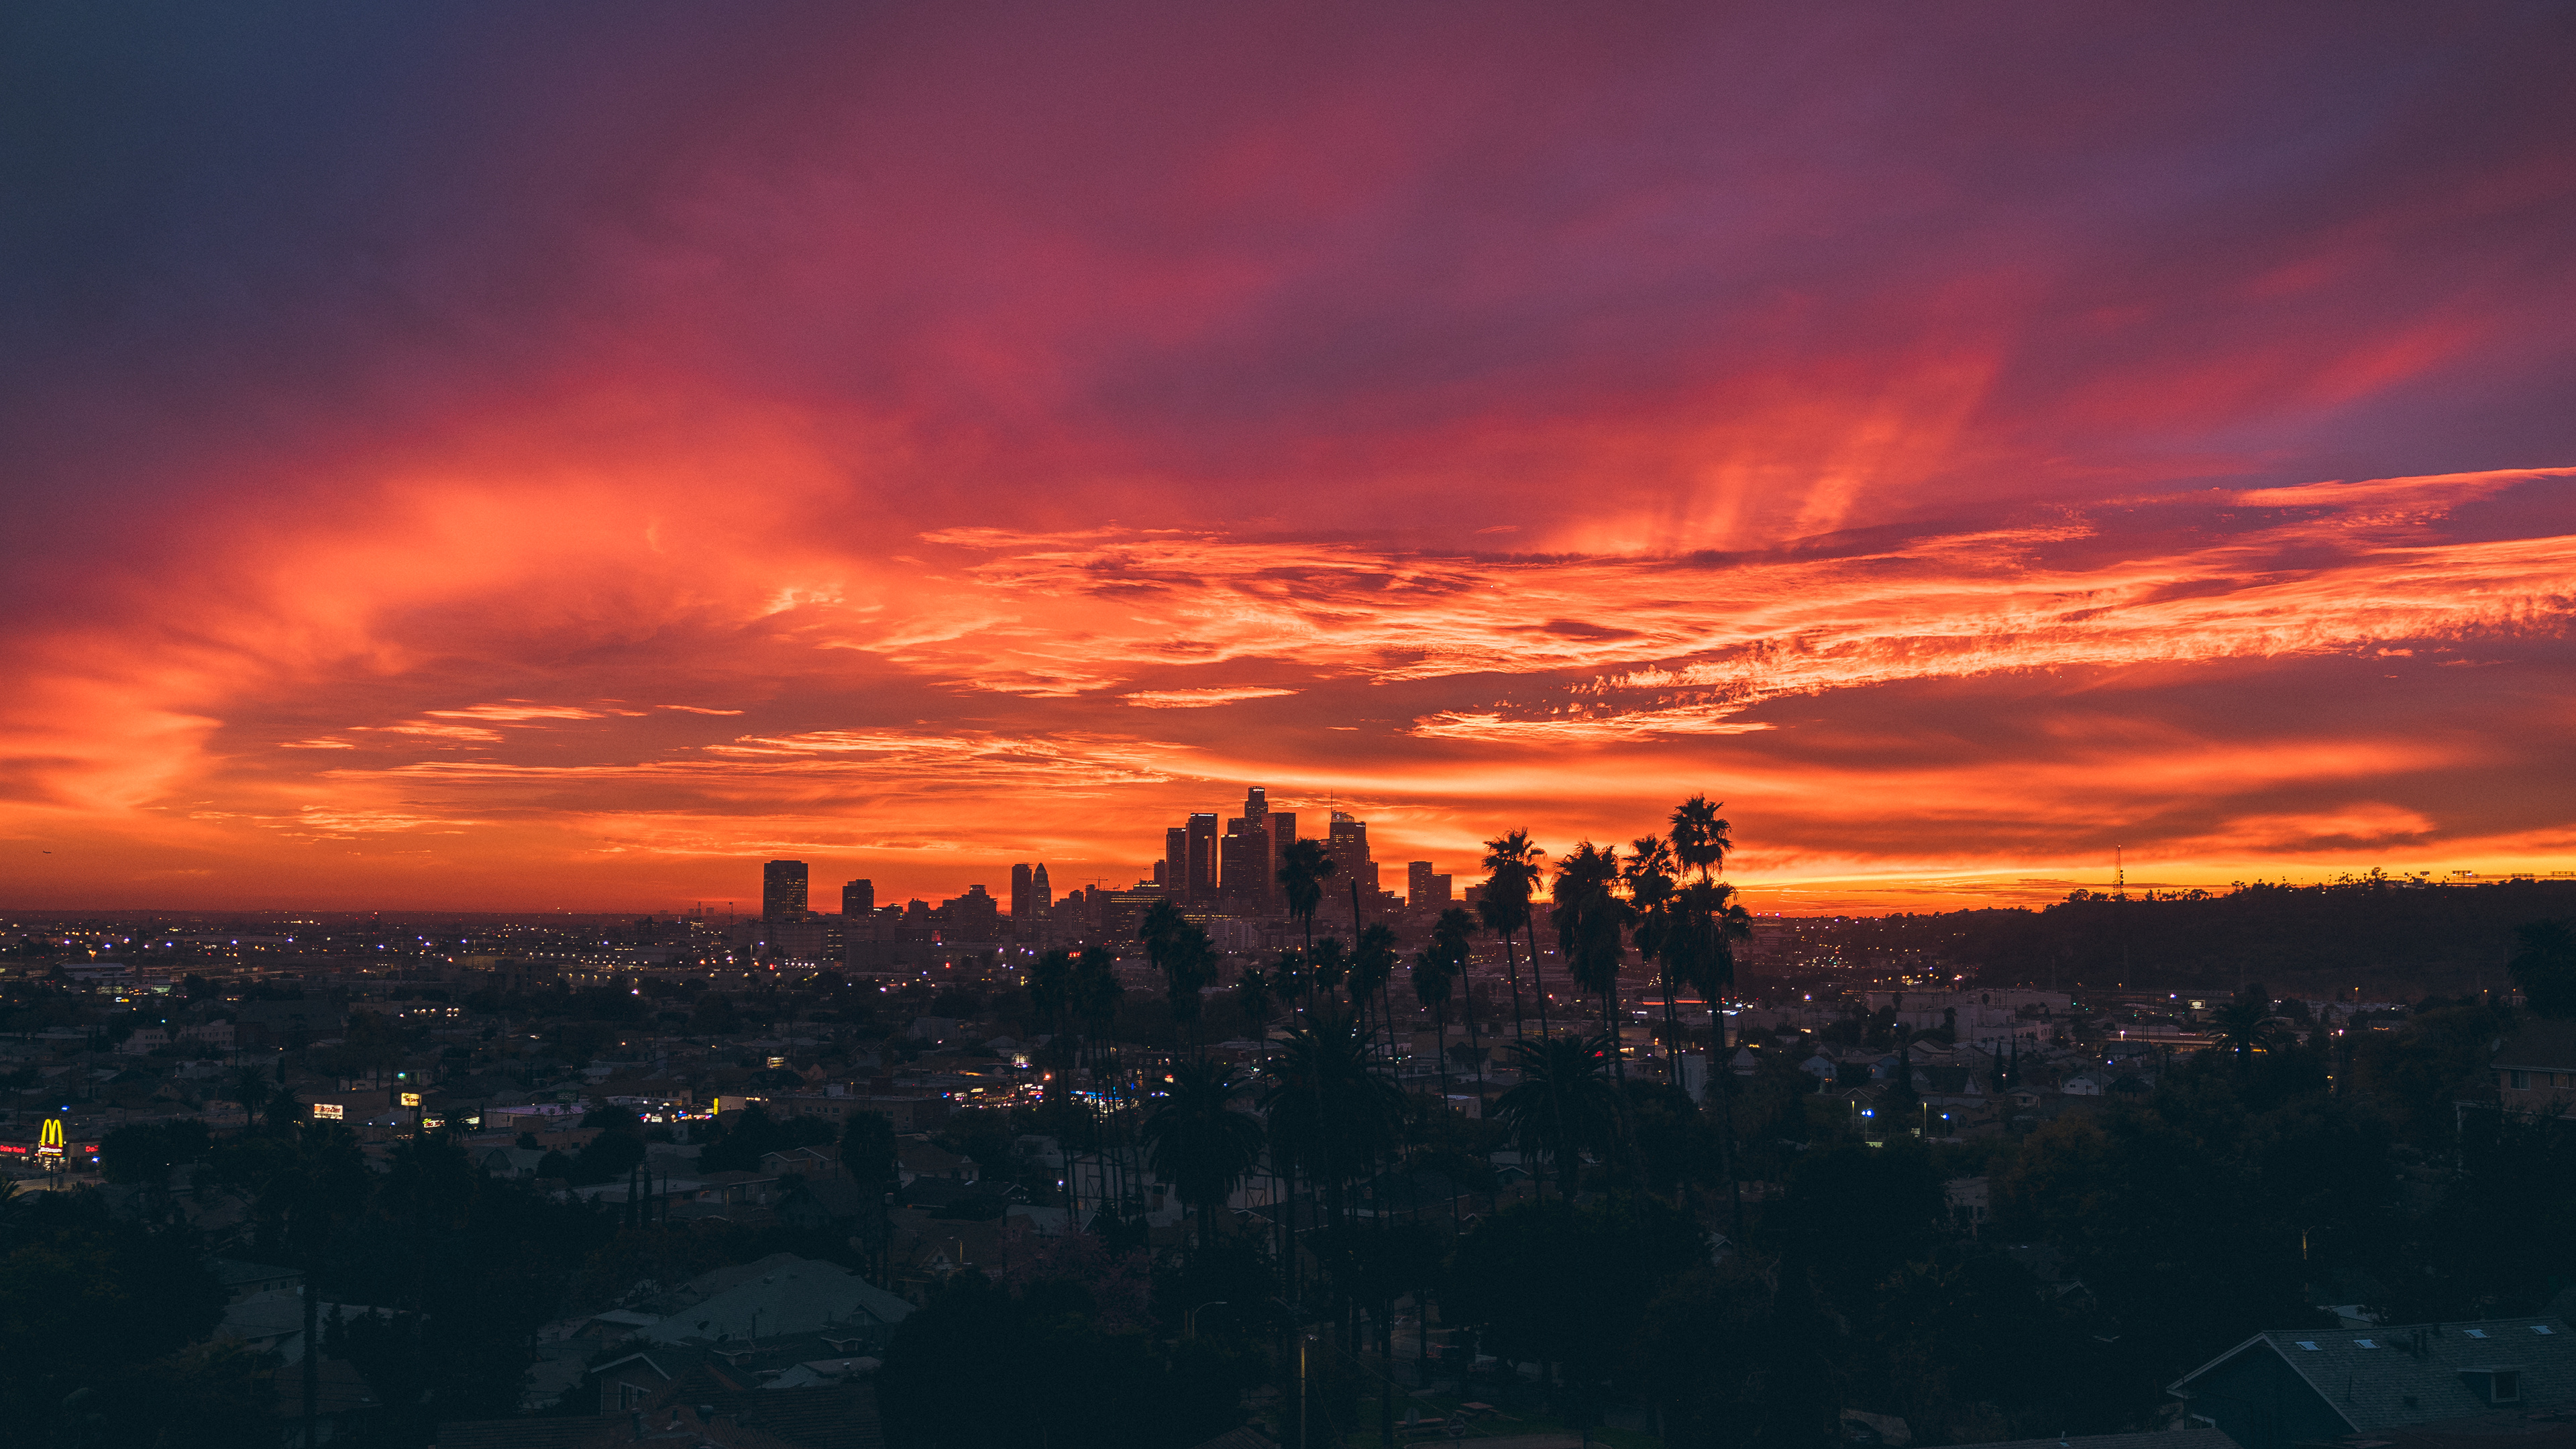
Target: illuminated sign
<point>330,1110</point>
<point>411,1099</point>
<point>49,1143</point>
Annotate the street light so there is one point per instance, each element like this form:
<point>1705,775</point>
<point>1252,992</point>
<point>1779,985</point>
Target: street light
<point>1190,1320</point>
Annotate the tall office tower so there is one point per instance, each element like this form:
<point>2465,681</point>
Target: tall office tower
<point>1346,845</point>
<point>1175,873</point>
<point>1041,900</point>
<point>1283,833</point>
<point>1424,889</point>
<point>1258,889</point>
<point>1201,881</point>
<point>859,898</point>
<point>1020,893</point>
<point>782,890</point>
<point>1244,854</point>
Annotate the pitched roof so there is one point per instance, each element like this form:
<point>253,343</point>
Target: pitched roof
<point>2548,1046</point>
<point>2379,1378</point>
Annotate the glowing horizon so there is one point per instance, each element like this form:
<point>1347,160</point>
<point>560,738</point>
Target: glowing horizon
<point>485,461</point>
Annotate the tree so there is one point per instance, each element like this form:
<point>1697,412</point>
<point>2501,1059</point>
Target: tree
<point>2544,966</point>
<point>1329,1114</point>
<point>1557,1284</point>
<point>1373,961</point>
<point>2246,1025</point>
<point>1255,989</point>
<point>1591,925</point>
<point>1434,969</point>
<point>1183,953</point>
<point>1303,869</point>
<point>248,1086</point>
<point>1453,937</point>
<point>1197,1141</point>
<point>1511,875</point>
<point>1563,1103</point>
<point>1648,873</point>
<point>1700,838</point>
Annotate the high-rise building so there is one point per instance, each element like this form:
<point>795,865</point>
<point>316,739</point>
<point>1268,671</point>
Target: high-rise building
<point>1175,872</point>
<point>1283,833</point>
<point>1424,888</point>
<point>858,898</point>
<point>1041,894</point>
<point>1244,855</point>
<point>1346,846</point>
<point>782,889</point>
<point>1020,892</point>
<point>1202,859</point>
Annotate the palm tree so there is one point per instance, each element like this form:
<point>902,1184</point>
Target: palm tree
<point>1433,975</point>
<point>2246,1026</point>
<point>1700,839</point>
<point>1185,956</point>
<point>1373,962</point>
<point>1329,1114</point>
<point>1051,993</point>
<point>1197,1141</point>
<point>1590,921</point>
<point>1511,865</point>
<point>248,1086</point>
<point>1303,867</point>
<point>1326,967</point>
<point>1451,938</point>
<point>1563,1103</point>
<point>1702,926</point>
<point>1255,987</point>
<point>1649,875</point>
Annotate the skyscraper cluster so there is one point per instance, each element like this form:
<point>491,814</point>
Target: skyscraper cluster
<point>1224,871</point>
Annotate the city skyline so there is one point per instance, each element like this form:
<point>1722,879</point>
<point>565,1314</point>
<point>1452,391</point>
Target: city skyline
<point>1975,446</point>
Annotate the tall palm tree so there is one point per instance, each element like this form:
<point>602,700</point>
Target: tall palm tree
<point>1326,967</point>
<point>1329,1114</point>
<point>1256,988</point>
<point>1373,962</point>
<point>1591,922</point>
<point>1703,926</point>
<point>1563,1103</point>
<point>1185,956</point>
<point>1512,865</point>
<point>1434,972</point>
<point>1303,868</point>
<point>1452,936</point>
<point>1198,1141</point>
<point>1649,876</point>
<point>1700,838</point>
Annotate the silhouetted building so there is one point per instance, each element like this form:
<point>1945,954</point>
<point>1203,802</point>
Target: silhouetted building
<point>1346,846</point>
<point>974,916</point>
<point>1244,855</point>
<point>859,898</point>
<point>782,889</point>
<point>1201,880</point>
<point>1174,873</point>
<point>1424,889</point>
<point>1020,892</point>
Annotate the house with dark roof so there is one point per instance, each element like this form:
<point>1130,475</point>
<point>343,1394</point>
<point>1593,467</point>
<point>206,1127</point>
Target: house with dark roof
<point>2305,1386</point>
<point>2535,1069</point>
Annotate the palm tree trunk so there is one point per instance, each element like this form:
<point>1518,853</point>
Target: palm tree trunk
<point>1538,980</point>
<point>1512,973</point>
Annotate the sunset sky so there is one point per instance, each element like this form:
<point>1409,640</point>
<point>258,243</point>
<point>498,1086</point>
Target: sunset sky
<point>556,456</point>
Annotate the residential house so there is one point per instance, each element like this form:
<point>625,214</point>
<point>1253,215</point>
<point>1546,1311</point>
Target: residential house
<point>2287,1387</point>
<point>800,1295</point>
<point>2535,1069</point>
